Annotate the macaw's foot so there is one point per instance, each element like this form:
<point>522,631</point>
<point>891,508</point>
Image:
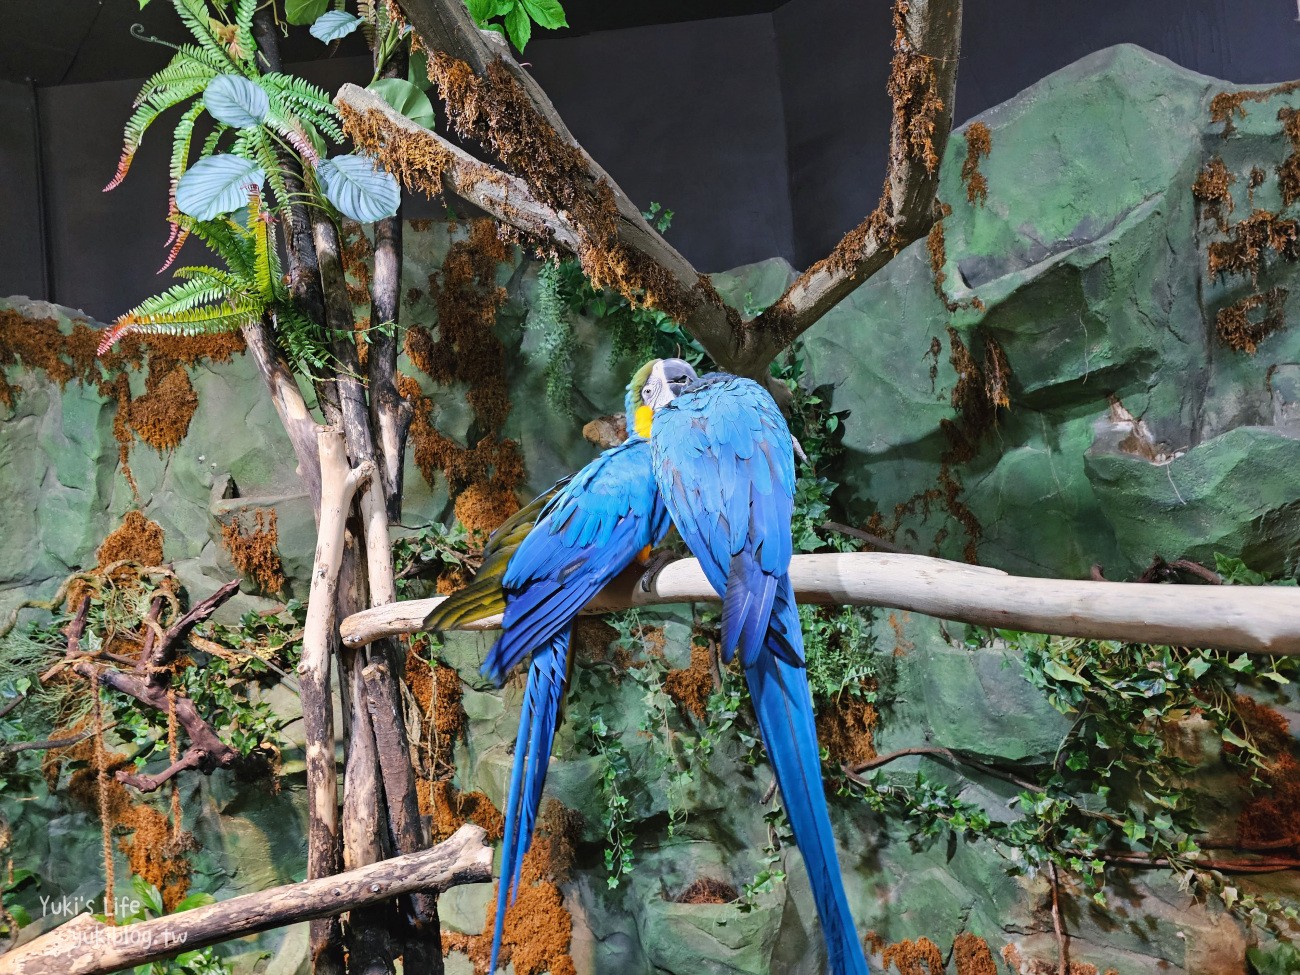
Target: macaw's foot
<point>655,564</point>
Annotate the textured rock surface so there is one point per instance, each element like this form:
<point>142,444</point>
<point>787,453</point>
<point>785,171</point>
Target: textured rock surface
<point>1090,260</point>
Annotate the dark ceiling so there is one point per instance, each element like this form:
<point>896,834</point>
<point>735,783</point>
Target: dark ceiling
<point>67,42</point>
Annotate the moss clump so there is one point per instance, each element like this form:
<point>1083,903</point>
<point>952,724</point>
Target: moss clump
<point>972,956</point>
<point>979,143</point>
<point>1213,191</point>
<point>137,539</point>
<point>1250,240</point>
<point>691,687</point>
<point>161,417</point>
<point>847,727</point>
<point>1236,328</point>
<point>708,890</point>
<point>255,553</point>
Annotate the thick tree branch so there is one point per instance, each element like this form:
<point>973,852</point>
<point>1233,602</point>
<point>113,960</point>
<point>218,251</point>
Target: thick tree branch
<point>922,85</point>
<point>1264,619</point>
<point>85,946</point>
<point>491,99</point>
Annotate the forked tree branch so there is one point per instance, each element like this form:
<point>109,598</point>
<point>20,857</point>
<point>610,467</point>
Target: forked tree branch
<point>85,946</point>
<point>1253,619</point>
<point>577,206</point>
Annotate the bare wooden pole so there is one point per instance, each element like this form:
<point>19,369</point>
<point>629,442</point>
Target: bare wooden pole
<point>338,485</point>
<point>1252,619</point>
<point>85,946</point>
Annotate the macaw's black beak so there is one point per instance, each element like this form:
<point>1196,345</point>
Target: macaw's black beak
<point>678,374</point>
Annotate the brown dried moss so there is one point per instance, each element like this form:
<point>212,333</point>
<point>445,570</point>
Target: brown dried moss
<point>691,687</point>
<point>972,956</point>
<point>1236,328</point>
<point>936,247</point>
<point>919,957</point>
<point>707,890</point>
<point>847,727</point>
<point>538,927</point>
<point>161,417</point>
<point>1250,240</point>
<point>1227,106</point>
<point>483,475</point>
<point>154,849</point>
<point>255,553</point>
<point>913,88</point>
<point>979,143</point>
<point>137,539</point>
<point>450,809</point>
<point>1213,191</point>
<point>1271,818</point>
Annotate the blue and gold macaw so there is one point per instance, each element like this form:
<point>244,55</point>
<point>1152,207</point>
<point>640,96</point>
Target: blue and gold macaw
<point>540,568</point>
<point>724,462</point>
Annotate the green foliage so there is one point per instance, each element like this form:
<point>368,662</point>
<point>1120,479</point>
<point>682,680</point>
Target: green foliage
<point>1281,959</point>
<point>616,817</point>
<point>13,916</point>
<point>639,333</point>
<point>422,556</point>
<point>549,320</point>
<point>1235,573</point>
<point>840,651</point>
<point>203,961</point>
<point>517,17</point>
<point>1116,790</point>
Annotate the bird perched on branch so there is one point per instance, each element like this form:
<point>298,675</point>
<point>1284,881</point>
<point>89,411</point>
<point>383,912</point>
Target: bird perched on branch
<point>724,461</point>
<point>540,568</point>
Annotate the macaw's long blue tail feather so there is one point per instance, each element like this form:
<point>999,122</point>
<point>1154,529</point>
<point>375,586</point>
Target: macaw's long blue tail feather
<point>783,703</point>
<point>543,696</point>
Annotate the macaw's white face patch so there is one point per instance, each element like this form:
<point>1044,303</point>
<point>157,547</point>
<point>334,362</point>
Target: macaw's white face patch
<point>667,379</point>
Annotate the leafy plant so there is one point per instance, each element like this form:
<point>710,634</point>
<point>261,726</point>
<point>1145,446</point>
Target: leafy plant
<point>549,320</point>
<point>211,300</point>
<point>616,816</point>
<point>517,17</point>
<point>203,961</point>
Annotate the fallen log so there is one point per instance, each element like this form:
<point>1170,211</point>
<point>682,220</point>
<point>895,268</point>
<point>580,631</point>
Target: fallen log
<point>85,946</point>
<point>1253,619</point>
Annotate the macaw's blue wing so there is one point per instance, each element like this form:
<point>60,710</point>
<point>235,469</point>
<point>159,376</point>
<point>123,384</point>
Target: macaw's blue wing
<point>584,536</point>
<point>724,461</point>
<point>541,568</point>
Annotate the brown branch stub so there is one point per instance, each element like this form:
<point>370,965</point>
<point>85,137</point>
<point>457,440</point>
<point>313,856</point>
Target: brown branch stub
<point>922,83</point>
<point>465,858</point>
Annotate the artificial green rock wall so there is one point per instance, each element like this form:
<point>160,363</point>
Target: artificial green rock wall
<point>1089,257</point>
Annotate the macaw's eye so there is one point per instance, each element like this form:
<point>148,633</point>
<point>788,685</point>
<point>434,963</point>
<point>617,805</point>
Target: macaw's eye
<point>647,392</point>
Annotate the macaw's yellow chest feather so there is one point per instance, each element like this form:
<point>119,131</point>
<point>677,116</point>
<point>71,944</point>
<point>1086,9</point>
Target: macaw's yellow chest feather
<point>642,420</point>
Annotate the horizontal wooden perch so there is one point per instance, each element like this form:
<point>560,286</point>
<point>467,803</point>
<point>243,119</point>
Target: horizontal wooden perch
<point>1256,619</point>
<point>85,946</point>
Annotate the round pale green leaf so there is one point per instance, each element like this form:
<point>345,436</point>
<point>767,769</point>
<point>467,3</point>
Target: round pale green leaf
<point>333,25</point>
<point>235,100</point>
<point>405,98</point>
<point>358,188</point>
<point>302,12</point>
<point>217,184</point>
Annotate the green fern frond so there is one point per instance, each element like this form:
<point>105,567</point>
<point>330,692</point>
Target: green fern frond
<point>190,64</point>
<point>194,15</point>
<point>244,10</point>
<point>228,240</point>
<point>180,299</point>
<point>300,339</point>
<point>181,140</point>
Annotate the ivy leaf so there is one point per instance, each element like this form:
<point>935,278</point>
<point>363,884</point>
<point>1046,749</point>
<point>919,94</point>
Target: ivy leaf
<point>518,26</point>
<point>217,184</point>
<point>547,13</point>
<point>236,101</point>
<point>358,188</point>
<point>407,99</point>
<point>302,12</point>
<point>334,25</point>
